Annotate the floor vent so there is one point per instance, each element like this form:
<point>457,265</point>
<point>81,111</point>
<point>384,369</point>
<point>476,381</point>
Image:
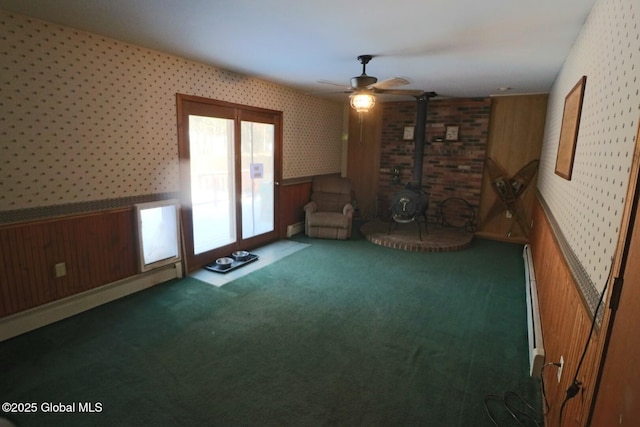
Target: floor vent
<point>536,346</point>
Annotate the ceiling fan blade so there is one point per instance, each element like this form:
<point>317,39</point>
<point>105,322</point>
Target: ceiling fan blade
<point>331,92</point>
<point>405,92</point>
<point>327,82</point>
<point>392,82</point>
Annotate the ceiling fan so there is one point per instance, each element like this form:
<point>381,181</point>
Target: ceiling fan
<point>363,87</point>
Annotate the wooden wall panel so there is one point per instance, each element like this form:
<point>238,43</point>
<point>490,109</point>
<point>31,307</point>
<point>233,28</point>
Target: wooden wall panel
<point>98,249</point>
<point>293,197</point>
<point>515,138</point>
<point>566,324</point>
<point>363,159</point>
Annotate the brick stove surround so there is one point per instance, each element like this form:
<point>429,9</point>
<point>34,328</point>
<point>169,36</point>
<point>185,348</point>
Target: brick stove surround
<point>451,168</point>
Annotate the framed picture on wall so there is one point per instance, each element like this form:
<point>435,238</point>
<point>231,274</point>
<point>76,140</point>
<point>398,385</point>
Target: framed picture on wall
<point>451,133</point>
<point>569,129</point>
<point>408,132</point>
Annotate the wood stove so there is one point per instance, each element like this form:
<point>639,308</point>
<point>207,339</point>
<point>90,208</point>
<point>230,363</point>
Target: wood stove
<point>411,203</point>
<point>409,206</point>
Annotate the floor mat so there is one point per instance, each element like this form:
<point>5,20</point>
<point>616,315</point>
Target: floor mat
<point>267,255</point>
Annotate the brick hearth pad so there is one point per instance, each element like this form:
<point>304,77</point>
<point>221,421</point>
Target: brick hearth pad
<point>405,237</point>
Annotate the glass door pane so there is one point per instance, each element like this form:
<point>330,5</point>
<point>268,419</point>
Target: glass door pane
<point>258,180</point>
<point>211,144</point>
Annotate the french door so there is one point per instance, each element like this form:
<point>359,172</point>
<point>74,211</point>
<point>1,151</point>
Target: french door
<point>229,173</point>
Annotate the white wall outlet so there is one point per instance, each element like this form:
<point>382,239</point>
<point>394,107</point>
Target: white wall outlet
<point>560,368</point>
<point>60,269</point>
<point>509,215</point>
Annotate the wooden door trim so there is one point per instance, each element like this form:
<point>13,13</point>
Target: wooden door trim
<point>629,216</point>
<point>240,111</point>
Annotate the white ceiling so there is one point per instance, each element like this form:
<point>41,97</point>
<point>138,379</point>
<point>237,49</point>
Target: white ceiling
<point>453,47</point>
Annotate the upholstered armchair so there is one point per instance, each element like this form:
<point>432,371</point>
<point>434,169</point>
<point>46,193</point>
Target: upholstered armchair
<point>329,213</point>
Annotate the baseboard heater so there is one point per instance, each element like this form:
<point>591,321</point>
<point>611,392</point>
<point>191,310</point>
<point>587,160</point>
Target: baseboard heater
<point>536,346</point>
<point>37,317</point>
<point>294,229</point>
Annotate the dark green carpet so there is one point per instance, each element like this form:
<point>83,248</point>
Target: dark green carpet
<point>339,333</point>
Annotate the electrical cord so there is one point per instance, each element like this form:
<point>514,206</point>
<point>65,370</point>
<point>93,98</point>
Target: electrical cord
<point>572,391</point>
<point>513,411</point>
<point>523,416</point>
<point>542,386</point>
<point>527,412</point>
<point>520,416</point>
<point>575,386</point>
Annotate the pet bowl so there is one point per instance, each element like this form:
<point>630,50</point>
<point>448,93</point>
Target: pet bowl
<point>241,255</point>
<point>224,263</point>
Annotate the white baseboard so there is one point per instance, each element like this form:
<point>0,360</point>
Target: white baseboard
<point>28,320</point>
<point>296,228</point>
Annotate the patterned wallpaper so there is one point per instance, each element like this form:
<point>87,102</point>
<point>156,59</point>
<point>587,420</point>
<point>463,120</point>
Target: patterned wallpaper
<point>85,118</point>
<point>588,208</point>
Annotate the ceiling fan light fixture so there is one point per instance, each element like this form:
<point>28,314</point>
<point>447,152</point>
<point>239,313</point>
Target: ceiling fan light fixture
<point>362,101</point>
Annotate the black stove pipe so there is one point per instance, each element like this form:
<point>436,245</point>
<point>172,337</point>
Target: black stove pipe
<point>420,140</point>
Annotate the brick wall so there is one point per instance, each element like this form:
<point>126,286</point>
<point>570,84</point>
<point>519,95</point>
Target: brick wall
<point>451,168</point>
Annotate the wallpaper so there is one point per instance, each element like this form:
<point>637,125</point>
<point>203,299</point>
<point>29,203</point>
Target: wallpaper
<point>85,118</point>
<point>588,208</point>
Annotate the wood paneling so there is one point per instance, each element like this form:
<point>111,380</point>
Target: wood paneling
<point>97,248</point>
<point>619,389</point>
<point>515,138</point>
<point>615,401</point>
<point>566,324</point>
<point>293,197</point>
<point>363,159</point>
